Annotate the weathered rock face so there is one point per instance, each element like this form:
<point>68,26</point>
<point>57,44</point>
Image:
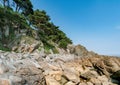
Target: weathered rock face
<point>78,50</point>
<point>37,68</point>
<point>20,69</point>
<point>24,44</point>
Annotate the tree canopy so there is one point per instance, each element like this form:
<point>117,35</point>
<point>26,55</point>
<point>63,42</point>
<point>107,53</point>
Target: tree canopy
<point>21,16</point>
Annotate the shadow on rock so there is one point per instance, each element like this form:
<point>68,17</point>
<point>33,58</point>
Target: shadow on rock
<point>115,77</point>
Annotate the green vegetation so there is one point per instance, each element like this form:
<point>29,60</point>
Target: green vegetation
<point>22,19</point>
<point>4,48</point>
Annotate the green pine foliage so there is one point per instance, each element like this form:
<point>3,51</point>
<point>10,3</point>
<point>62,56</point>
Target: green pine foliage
<point>34,22</point>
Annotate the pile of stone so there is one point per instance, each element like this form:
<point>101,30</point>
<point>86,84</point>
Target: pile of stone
<point>58,69</point>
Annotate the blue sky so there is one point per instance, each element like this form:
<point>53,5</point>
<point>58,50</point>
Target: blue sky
<point>93,23</point>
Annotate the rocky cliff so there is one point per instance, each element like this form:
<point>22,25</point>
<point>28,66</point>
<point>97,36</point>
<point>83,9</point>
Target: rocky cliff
<point>34,51</point>
<point>76,66</point>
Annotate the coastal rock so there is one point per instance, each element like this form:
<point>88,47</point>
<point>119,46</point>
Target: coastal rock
<point>88,75</point>
<point>78,50</point>
<point>57,69</point>
<point>51,81</point>
<point>83,83</point>
<point>5,82</point>
<point>24,44</point>
<point>15,80</point>
<point>3,67</point>
<point>70,83</point>
<point>95,81</point>
<point>71,75</point>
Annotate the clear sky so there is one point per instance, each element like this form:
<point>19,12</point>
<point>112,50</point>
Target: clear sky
<point>93,23</point>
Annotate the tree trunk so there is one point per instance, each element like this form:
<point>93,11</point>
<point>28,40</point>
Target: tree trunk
<point>16,8</point>
<point>8,3</point>
<point>4,1</point>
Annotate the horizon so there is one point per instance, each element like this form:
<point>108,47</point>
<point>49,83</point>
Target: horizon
<point>94,24</point>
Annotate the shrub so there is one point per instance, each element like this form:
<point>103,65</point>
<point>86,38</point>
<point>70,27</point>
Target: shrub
<point>63,44</point>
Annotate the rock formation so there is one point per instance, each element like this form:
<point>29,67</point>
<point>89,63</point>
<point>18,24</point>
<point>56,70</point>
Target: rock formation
<point>34,51</point>
<point>75,67</point>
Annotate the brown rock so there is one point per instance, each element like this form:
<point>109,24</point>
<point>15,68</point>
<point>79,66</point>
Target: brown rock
<point>5,82</point>
<point>63,80</point>
<point>58,77</point>
<point>100,67</point>
<point>51,81</point>
<point>112,65</point>
<point>79,50</point>
<point>79,68</point>
<point>102,78</point>
<point>71,75</point>
<point>88,75</point>
<point>70,83</point>
<point>106,83</point>
<point>95,81</point>
<point>83,83</point>
<point>56,74</point>
<point>89,83</point>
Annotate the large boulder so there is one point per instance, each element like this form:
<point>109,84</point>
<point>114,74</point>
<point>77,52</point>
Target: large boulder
<point>112,64</point>
<point>51,81</point>
<point>78,50</point>
<point>72,75</point>
<point>88,75</point>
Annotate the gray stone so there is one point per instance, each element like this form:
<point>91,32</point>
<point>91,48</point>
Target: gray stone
<point>3,67</point>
